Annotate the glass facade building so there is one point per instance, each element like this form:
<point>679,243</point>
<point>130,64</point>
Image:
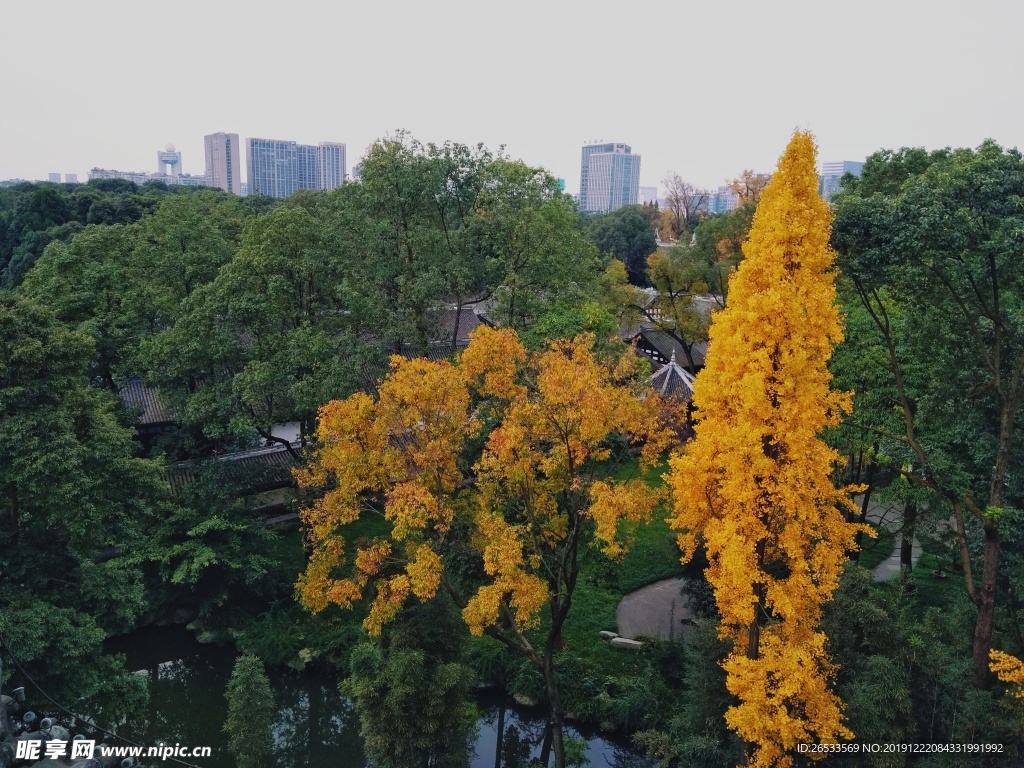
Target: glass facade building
<point>609,177</point>
<point>280,168</point>
<point>831,173</point>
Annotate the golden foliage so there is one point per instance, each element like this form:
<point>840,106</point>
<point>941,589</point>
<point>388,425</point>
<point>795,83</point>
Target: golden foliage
<point>755,485</point>
<point>1009,669</point>
<point>553,410</point>
<point>749,186</point>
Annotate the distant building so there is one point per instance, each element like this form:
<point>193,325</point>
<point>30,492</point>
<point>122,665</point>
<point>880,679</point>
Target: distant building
<point>331,165</point>
<point>280,168</point>
<point>832,173</point>
<point>168,162</point>
<point>224,162</point>
<point>185,179</point>
<point>723,201</point>
<point>139,177</point>
<point>609,177</point>
<point>648,195</point>
<point>13,182</point>
<point>55,178</point>
<point>357,172</point>
<point>71,178</point>
<point>245,189</point>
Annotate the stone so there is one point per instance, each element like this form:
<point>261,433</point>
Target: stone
<point>608,635</point>
<point>621,642</point>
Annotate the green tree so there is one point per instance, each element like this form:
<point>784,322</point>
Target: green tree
<point>411,690</point>
<point>69,487</point>
<point>267,341</point>
<point>629,236</point>
<point>931,244</point>
<point>251,714</point>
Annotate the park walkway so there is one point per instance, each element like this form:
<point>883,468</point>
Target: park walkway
<point>660,609</point>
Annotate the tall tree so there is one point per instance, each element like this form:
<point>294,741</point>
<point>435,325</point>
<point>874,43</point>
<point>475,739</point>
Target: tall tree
<point>685,202</point>
<point>521,512</point>
<point>69,487</point>
<point>755,485</point>
<point>628,235</point>
<point>411,690</point>
<point>268,340</point>
<point>250,714</point>
<point>932,245</point>
<point>748,186</point>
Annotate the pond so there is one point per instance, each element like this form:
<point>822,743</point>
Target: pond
<point>316,725</point>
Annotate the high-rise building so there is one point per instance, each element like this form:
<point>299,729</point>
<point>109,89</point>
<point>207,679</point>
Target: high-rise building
<point>609,177</point>
<point>224,162</point>
<point>71,178</point>
<point>279,168</point>
<point>831,173</point>
<point>54,177</point>
<point>331,165</point>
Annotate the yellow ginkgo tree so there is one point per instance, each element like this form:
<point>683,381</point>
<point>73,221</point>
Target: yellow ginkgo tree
<point>755,487</point>
<point>523,507</point>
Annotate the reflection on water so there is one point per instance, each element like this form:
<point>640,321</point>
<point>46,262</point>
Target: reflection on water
<point>316,725</point>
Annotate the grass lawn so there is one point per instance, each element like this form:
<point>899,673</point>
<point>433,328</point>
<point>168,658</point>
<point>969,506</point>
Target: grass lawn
<point>652,557</point>
<point>931,591</point>
<point>876,551</point>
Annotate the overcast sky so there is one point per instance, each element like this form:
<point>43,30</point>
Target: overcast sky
<point>702,88</point>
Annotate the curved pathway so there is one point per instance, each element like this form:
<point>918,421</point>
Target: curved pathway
<point>657,610</point>
<point>890,515</point>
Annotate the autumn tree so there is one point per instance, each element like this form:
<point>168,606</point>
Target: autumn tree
<point>1010,670</point>
<point>520,510</point>
<point>685,202</point>
<point>754,488</point>
<point>748,186</point>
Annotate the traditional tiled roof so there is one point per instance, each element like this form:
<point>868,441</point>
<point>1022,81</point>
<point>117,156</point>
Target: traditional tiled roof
<point>468,319</point>
<point>661,347</point>
<point>673,380</point>
<point>255,471</point>
<point>154,411</point>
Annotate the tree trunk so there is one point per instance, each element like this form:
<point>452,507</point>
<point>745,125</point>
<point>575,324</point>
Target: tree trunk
<point>907,542</point>
<point>986,606</point>
<point>870,480</point>
<point>455,324</point>
<point>555,714</point>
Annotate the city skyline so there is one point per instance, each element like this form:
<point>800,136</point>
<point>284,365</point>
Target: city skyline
<point>932,74</point>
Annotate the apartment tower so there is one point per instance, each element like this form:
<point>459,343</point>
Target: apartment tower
<point>280,168</point>
<point>224,162</point>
